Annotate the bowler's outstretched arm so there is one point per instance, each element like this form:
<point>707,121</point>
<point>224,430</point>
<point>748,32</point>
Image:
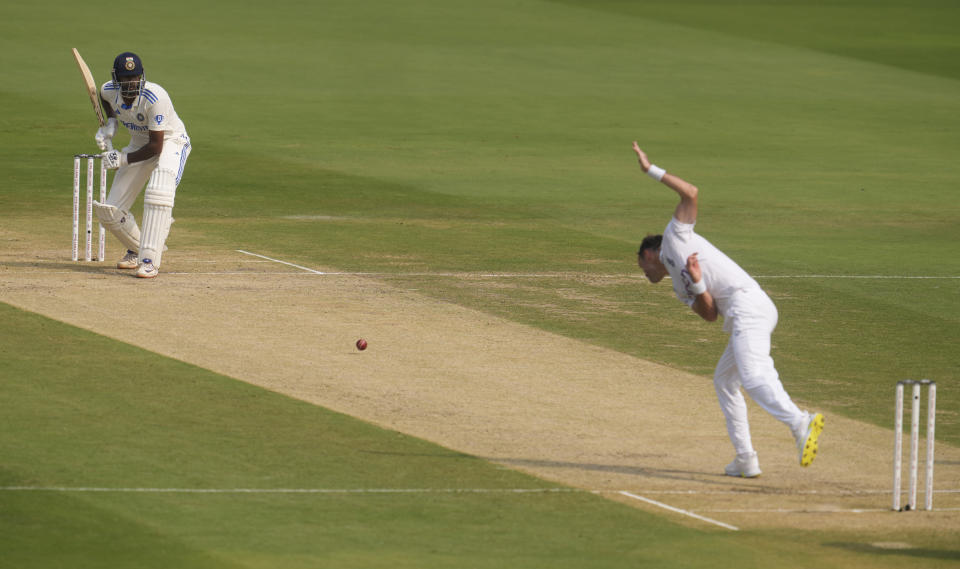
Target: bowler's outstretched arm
<point>686,211</point>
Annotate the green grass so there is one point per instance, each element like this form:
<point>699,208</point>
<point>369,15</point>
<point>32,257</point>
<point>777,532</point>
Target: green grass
<point>66,423</point>
<point>916,37</point>
<point>484,137</point>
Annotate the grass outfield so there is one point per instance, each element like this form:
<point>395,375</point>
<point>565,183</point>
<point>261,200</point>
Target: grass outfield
<point>435,137</point>
<point>67,424</point>
<point>181,426</point>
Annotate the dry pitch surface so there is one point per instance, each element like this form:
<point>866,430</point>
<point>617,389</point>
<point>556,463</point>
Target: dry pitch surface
<point>557,408</point>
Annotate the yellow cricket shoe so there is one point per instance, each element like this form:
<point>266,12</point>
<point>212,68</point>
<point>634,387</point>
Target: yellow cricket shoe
<point>807,446</point>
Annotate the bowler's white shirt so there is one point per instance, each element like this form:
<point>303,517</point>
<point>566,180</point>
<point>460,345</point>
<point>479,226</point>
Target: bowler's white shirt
<point>151,110</point>
<point>721,275</point>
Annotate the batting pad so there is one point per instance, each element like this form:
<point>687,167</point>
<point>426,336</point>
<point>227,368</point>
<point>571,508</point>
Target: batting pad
<point>120,223</point>
<point>157,214</point>
<point>161,188</point>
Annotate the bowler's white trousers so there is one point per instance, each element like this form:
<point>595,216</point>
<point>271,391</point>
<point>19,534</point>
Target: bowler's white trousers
<point>750,318</point>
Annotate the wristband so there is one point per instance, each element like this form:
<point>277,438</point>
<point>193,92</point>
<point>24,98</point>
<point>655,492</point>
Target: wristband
<point>698,288</point>
<point>656,172</point>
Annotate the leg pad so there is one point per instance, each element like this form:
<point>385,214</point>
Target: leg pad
<point>158,201</point>
<point>120,223</point>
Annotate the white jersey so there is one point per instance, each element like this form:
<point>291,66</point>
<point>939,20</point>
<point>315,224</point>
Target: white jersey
<point>151,110</point>
<point>721,275</point>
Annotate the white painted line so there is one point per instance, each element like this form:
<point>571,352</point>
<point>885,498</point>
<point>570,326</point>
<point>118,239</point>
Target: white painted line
<point>814,511</point>
<point>263,274</point>
<point>745,492</point>
<point>772,492</point>
<point>464,491</point>
<point>793,511</point>
<point>895,277</point>
<point>566,275</point>
<point>226,274</point>
<point>679,511</point>
<point>94,489</point>
<point>281,262</point>
<point>466,274</point>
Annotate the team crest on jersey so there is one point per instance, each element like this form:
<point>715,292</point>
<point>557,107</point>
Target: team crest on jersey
<point>130,64</point>
<point>140,117</point>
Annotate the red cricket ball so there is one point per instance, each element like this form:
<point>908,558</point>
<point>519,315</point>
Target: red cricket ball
<point>361,344</point>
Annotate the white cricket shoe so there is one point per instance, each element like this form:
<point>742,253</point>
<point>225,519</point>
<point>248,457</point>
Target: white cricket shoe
<point>746,465</point>
<point>147,270</point>
<point>129,261</point>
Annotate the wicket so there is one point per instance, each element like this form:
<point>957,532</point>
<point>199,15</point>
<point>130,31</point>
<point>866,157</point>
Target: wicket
<point>914,442</point>
<point>91,159</point>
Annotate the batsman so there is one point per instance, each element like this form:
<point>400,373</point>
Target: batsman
<point>713,285</point>
<point>156,156</point>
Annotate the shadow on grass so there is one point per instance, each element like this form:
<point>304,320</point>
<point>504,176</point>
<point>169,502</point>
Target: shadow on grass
<point>98,267</point>
<point>437,454</point>
<point>906,551</point>
<point>697,477</point>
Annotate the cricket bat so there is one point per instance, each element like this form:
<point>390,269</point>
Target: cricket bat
<point>92,90</point>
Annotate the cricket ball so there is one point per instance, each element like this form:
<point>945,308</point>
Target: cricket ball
<point>361,344</point>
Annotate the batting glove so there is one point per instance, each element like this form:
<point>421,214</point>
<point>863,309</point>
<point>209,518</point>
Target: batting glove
<point>105,133</point>
<point>114,159</point>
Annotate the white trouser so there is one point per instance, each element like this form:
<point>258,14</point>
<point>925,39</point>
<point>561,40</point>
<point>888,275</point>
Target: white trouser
<point>129,180</point>
<point>750,318</point>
